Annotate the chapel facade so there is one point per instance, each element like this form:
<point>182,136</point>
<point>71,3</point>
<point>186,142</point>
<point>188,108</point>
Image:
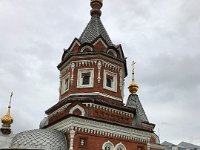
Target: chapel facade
<point>90,112</point>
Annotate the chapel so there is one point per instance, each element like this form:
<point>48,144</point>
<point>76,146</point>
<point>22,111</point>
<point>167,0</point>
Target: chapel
<point>90,113</point>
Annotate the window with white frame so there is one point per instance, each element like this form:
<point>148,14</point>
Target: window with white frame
<point>120,146</point>
<point>85,78</point>
<point>110,81</point>
<point>65,83</point>
<point>108,146</point>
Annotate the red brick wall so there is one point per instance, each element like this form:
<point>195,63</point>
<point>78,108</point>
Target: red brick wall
<point>98,87</point>
<point>93,113</point>
<point>110,116</point>
<point>95,142</point>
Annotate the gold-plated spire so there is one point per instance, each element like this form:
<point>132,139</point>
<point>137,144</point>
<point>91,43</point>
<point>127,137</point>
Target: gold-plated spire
<point>133,87</point>
<point>7,120</point>
<point>96,6</point>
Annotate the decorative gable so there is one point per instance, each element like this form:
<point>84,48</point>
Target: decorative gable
<point>100,45</point>
<point>74,47</point>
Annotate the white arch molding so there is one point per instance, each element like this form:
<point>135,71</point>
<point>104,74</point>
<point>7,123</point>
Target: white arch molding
<point>79,108</point>
<point>108,144</point>
<point>120,146</point>
<point>87,47</point>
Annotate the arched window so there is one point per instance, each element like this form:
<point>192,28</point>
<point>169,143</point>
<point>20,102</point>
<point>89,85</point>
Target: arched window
<point>108,146</point>
<point>120,146</point>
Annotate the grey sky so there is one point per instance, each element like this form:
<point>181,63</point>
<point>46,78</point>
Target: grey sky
<point>163,37</point>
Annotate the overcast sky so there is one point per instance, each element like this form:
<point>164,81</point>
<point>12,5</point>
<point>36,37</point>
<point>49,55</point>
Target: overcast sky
<point>162,36</point>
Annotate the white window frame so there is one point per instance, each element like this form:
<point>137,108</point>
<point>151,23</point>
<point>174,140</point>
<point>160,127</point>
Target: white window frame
<point>108,143</point>
<point>80,79</point>
<point>63,90</point>
<point>114,82</point>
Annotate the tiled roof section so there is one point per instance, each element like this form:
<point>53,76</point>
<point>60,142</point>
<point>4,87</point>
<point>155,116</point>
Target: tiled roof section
<point>93,30</point>
<point>134,102</point>
<point>40,139</point>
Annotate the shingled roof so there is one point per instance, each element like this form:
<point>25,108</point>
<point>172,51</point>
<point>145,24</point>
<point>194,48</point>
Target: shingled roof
<point>134,102</point>
<point>93,30</point>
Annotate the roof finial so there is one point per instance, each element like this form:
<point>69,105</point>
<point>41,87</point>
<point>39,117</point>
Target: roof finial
<point>7,120</point>
<point>133,71</point>
<point>96,6</point>
<point>133,87</point>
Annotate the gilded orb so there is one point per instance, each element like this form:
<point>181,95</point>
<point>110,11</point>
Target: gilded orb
<point>133,88</point>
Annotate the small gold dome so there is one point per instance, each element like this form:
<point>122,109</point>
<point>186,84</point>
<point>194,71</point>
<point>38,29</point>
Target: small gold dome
<point>133,87</point>
<point>7,120</point>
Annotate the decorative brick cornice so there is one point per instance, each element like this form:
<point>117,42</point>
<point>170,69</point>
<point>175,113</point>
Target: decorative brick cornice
<point>101,128</point>
<point>100,55</point>
<point>92,62</point>
<point>109,109</point>
<point>96,99</point>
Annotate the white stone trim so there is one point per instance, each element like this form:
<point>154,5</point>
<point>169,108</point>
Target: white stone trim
<point>121,82</point>
<point>67,76</point>
<point>91,62</point>
<point>65,69</point>
<point>120,145</point>
<point>72,133</point>
<point>80,79</point>
<point>96,93</point>
<point>112,110</point>
<point>72,75</point>
<point>109,96</point>
<point>79,108</point>
<point>114,82</point>
<point>99,71</point>
<point>108,143</point>
<point>59,110</point>
<point>86,47</point>
<point>113,64</point>
<point>101,128</point>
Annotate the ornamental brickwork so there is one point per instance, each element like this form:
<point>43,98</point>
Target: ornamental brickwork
<point>90,110</point>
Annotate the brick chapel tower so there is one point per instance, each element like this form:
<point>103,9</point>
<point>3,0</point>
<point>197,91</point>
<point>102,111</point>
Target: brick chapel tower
<point>90,109</point>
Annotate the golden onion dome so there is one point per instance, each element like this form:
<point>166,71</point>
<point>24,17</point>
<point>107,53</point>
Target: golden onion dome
<point>133,87</point>
<point>7,120</point>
